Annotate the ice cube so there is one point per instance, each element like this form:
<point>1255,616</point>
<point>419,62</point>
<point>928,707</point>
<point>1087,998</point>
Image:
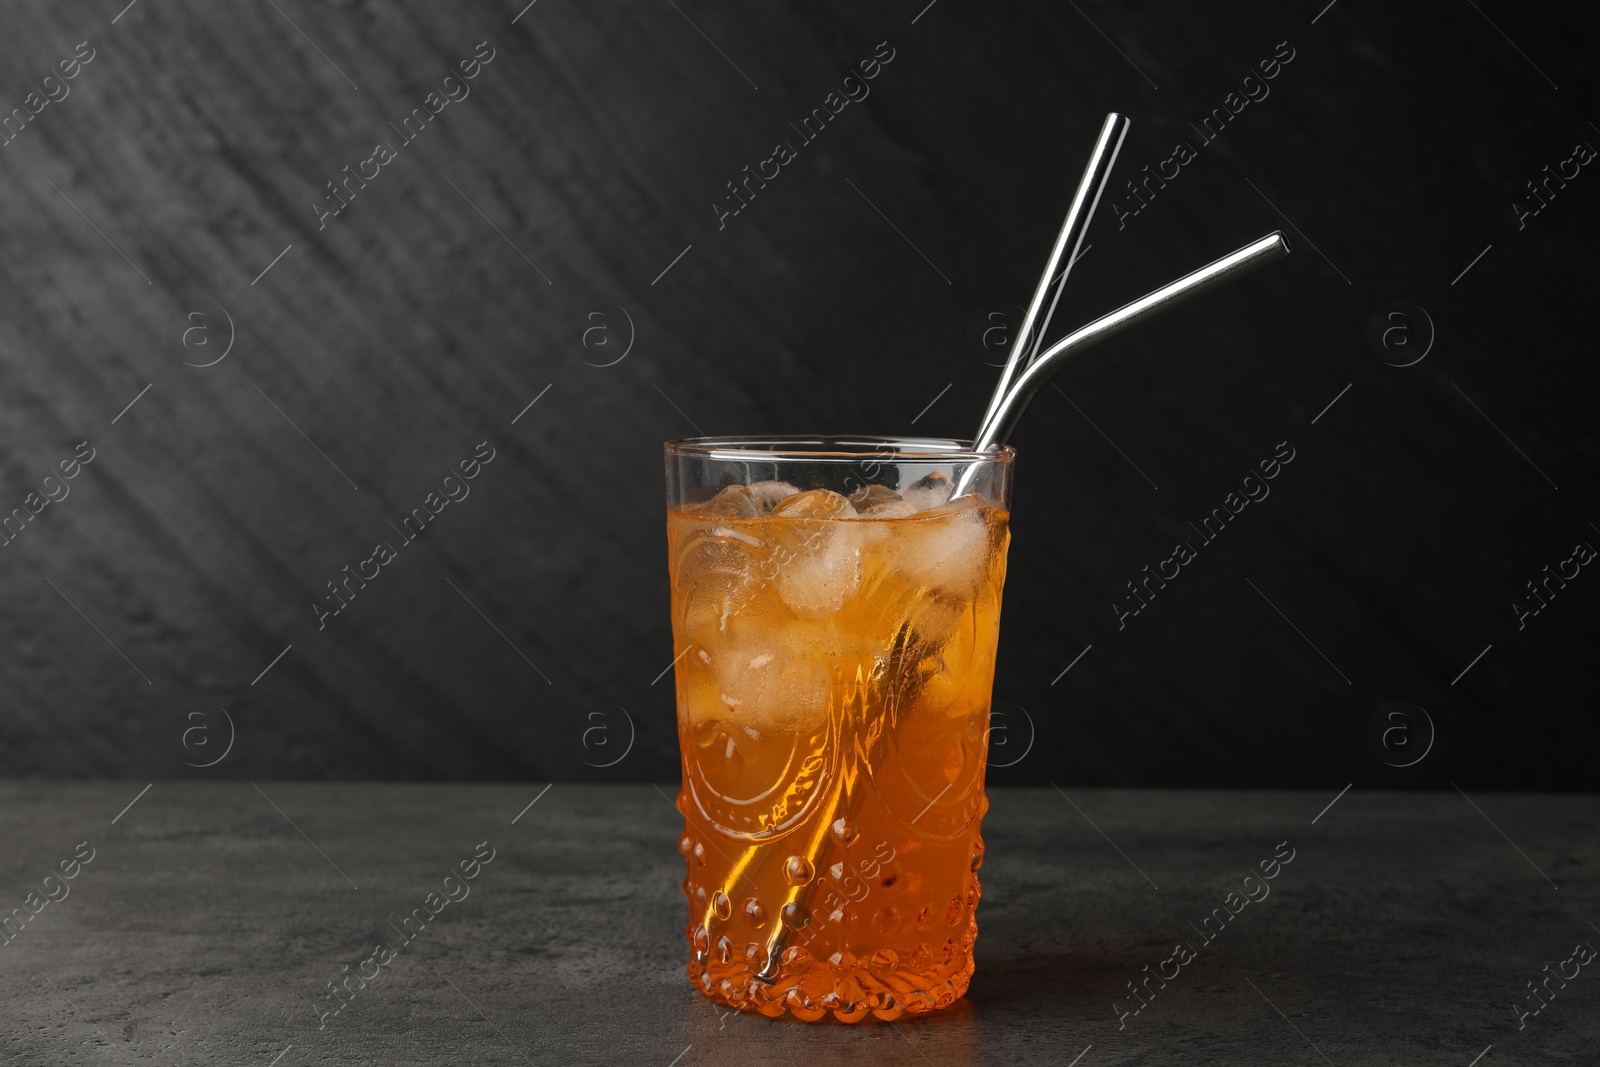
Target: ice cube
<point>817,565</point>
<point>825,570</point>
<point>947,546</point>
<point>929,491</point>
<point>717,575</point>
<point>871,497</point>
<point>771,678</point>
<point>734,502</point>
<point>959,506</point>
<point>815,504</point>
<point>772,493</point>
<point>890,509</point>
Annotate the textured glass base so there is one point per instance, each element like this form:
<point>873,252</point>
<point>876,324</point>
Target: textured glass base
<point>848,988</point>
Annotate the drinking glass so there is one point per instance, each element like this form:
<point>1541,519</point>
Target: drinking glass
<point>835,613</point>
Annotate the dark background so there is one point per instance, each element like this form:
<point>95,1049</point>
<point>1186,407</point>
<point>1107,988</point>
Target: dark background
<point>595,142</point>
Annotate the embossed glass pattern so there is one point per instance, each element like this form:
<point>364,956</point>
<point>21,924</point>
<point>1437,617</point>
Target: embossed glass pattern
<point>835,617</point>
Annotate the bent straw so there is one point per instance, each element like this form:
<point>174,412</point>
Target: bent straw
<point>1002,420</point>
<point>1208,279</point>
<point>1068,241</point>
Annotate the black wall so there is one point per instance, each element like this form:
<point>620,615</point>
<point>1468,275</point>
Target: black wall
<point>567,208</point>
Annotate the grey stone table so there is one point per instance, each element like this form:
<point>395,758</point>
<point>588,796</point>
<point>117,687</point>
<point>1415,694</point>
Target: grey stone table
<point>204,923</point>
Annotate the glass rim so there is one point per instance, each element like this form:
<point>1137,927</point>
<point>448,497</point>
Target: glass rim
<point>835,447</point>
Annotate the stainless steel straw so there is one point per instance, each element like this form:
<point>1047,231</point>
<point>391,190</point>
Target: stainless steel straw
<point>1068,241</point>
<point>1012,394</point>
<point>997,427</point>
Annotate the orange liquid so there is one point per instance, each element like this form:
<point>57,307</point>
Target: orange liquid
<point>833,687</point>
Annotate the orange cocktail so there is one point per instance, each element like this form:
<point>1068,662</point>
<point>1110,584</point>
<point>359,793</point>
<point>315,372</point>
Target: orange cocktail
<point>835,661</point>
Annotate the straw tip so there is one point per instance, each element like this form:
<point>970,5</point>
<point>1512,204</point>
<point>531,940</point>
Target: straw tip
<point>1283,242</point>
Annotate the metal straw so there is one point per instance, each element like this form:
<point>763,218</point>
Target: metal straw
<point>1036,344</point>
<point>1011,399</point>
<point>997,428</point>
<point>1068,241</point>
